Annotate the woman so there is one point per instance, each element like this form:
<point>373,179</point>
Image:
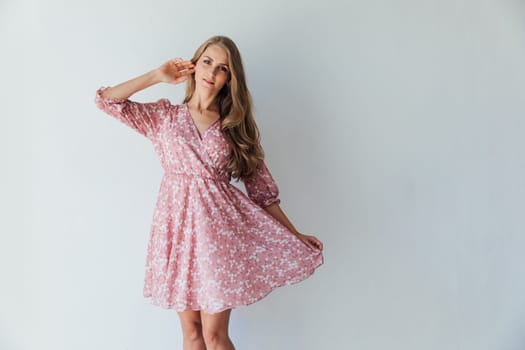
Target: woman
<point>212,248</point>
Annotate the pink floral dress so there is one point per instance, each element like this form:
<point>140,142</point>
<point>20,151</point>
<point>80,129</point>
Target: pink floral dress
<point>211,247</point>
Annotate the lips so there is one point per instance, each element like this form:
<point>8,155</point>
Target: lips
<point>209,82</point>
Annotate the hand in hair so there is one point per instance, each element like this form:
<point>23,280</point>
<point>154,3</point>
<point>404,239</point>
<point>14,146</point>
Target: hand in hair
<point>175,71</point>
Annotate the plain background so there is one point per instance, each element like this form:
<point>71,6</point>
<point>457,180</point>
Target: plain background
<point>393,128</point>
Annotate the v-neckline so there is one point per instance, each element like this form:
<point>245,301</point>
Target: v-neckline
<point>195,128</point>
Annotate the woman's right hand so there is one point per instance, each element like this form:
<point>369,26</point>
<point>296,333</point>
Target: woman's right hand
<point>175,70</point>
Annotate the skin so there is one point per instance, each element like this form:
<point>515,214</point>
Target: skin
<point>203,331</point>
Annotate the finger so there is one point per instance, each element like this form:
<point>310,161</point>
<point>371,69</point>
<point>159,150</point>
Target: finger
<point>182,62</point>
<point>185,64</point>
<point>311,244</point>
<point>187,72</point>
<point>306,243</point>
<point>316,241</point>
<point>183,67</point>
<point>317,244</point>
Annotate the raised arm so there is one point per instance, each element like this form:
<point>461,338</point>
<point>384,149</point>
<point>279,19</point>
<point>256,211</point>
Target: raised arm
<point>144,118</point>
<point>173,71</point>
<point>126,89</point>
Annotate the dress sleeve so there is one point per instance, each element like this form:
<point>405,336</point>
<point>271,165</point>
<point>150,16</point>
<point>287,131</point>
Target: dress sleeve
<point>144,118</point>
<point>261,187</point>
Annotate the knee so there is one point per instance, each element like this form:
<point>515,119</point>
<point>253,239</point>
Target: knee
<point>192,332</point>
<point>213,337</point>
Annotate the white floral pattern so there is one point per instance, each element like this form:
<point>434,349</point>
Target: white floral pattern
<point>211,247</point>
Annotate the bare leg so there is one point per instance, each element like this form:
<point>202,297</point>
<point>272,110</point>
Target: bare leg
<point>215,330</point>
<point>191,325</point>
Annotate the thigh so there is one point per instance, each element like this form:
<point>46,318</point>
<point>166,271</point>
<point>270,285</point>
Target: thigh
<point>216,323</point>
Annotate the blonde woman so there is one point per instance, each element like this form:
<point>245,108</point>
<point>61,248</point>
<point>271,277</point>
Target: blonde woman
<point>211,247</point>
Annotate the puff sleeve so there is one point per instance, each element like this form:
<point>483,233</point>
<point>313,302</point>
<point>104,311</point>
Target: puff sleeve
<point>144,118</point>
<point>261,187</point>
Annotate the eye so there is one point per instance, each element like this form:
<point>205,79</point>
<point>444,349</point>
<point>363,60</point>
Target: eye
<point>205,60</point>
<point>224,69</point>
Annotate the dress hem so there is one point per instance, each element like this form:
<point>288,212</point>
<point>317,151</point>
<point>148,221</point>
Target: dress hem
<point>289,282</point>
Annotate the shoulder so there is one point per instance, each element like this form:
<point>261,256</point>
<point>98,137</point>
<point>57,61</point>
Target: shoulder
<point>165,105</point>
<point>177,107</point>
<point>164,102</point>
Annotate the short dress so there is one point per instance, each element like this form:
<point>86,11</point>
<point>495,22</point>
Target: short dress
<point>211,247</point>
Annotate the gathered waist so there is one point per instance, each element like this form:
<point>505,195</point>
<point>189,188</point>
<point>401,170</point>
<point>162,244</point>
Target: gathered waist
<point>224,178</point>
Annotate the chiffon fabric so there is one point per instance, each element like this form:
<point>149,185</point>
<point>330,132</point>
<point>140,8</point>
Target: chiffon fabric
<point>211,247</point>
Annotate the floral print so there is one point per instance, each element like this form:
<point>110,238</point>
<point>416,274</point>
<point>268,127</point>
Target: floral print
<point>211,247</point>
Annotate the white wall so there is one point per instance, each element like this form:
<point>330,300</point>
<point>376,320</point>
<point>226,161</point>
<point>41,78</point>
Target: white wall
<point>394,129</point>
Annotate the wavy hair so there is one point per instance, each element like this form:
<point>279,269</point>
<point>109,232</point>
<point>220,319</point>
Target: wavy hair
<point>235,106</point>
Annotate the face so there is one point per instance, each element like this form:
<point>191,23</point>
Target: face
<point>212,70</point>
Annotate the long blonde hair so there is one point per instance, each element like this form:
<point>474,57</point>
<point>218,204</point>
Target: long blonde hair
<point>235,107</point>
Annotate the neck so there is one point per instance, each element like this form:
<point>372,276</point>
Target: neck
<point>203,101</point>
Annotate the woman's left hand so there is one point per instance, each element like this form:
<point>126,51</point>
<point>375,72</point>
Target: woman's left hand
<point>310,241</point>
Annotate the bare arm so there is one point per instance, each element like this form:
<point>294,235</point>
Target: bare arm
<point>173,71</point>
<point>263,191</point>
<point>276,211</point>
<point>126,89</point>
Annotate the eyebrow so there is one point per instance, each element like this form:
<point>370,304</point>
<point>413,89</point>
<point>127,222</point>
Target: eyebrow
<point>224,64</point>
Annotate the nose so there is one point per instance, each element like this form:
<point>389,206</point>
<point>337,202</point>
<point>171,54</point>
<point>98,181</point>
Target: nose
<point>210,71</point>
